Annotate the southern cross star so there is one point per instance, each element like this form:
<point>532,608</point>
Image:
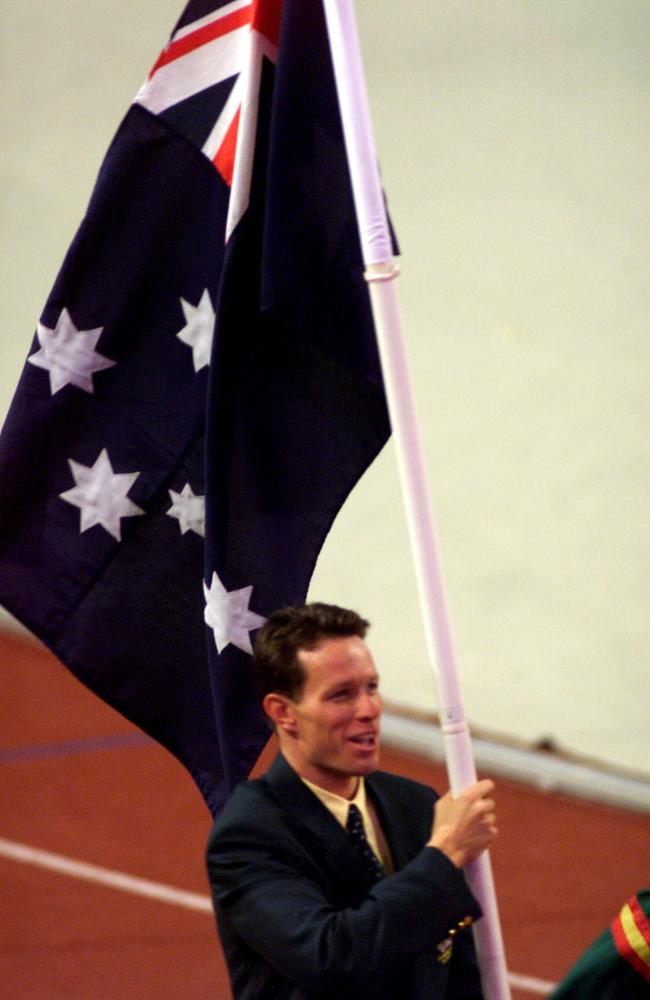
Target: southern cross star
<point>199,328</point>
<point>189,509</point>
<point>101,494</point>
<point>228,615</point>
<point>69,354</point>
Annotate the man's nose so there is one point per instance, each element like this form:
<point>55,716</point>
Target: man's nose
<point>368,705</point>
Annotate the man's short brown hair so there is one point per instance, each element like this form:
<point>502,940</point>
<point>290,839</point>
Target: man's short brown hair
<point>285,632</point>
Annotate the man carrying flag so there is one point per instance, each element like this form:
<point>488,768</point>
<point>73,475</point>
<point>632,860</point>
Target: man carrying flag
<point>330,878</point>
<point>202,394</point>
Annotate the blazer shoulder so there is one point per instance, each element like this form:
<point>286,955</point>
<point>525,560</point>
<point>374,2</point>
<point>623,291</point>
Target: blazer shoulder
<point>249,800</point>
<point>403,788</point>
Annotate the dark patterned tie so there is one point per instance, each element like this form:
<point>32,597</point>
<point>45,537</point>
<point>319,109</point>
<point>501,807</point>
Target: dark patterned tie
<point>357,833</point>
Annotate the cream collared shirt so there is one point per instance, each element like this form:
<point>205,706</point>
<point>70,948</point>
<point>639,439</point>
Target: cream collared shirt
<point>338,806</point>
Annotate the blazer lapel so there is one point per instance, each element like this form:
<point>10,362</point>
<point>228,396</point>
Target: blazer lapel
<point>319,826</point>
<point>402,842</point>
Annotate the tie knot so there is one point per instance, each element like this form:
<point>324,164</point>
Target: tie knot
<point>355,820</point>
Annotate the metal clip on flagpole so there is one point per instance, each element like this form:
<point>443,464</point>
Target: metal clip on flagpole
<point>381,274</point>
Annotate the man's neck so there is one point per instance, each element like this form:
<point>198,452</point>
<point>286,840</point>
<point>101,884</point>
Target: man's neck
<point>344,785</point>
<point>329,791</point>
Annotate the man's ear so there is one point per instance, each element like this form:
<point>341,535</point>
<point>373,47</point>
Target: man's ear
<point>279,709</point>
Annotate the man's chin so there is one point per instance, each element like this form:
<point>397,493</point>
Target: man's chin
<point>365,762</point>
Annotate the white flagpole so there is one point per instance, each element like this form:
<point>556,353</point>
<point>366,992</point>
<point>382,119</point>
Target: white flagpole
<point>381,274</point>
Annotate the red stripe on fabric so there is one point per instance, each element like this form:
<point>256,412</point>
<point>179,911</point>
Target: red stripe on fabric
<point>618,934</point>
<point>640,918</point>
<point>208,33</point>
<point>266,18</point>
<point>625,949</point>
<point>224,160</point>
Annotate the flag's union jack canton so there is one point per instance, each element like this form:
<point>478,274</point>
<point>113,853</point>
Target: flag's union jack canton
<point>203,389</point>
<point>207,81</point>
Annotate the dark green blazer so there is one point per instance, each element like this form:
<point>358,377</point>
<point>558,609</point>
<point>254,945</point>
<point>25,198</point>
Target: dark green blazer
<point>298,918</point>
<point>616,966</point>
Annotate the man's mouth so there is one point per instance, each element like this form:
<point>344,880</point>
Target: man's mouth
<point>368,740</point>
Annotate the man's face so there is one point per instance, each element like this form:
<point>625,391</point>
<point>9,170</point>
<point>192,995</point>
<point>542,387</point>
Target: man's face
<point>332,731</point>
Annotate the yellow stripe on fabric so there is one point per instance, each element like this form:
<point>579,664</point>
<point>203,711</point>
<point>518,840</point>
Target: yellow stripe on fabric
<point>634,935</point>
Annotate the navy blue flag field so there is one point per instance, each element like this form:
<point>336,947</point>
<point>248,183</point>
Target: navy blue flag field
<point>203,389</point>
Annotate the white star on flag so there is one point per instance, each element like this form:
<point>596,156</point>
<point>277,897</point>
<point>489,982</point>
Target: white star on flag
<point>101,494</point>
<point>189,509</point>
<point>69,354</point>
<point>228,615</point>
<point>199,328</point>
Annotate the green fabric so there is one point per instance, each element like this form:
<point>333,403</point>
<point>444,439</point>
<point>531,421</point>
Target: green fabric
<point>601,974</point>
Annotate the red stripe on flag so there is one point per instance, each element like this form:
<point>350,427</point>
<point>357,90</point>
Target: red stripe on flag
<point>266,18</point>
<point>224,160</point>
<point>208,33</point>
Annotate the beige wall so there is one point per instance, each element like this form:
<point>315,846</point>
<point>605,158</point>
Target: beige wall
<point>513,139</point>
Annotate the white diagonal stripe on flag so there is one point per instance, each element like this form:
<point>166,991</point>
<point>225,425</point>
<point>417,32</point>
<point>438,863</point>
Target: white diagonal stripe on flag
<point>250,77</point>
<point>196,71</point>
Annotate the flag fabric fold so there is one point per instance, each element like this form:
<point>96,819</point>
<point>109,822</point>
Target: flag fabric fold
<point>203,390</point>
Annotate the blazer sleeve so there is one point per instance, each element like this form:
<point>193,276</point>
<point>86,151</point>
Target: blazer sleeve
<point>280,902</point>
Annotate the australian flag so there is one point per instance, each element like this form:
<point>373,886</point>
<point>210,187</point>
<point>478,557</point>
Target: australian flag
<point>203,389</point>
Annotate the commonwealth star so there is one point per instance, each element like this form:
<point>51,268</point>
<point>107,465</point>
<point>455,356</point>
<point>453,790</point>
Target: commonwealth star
<point>101,494</point>
<point>199,329</point>
<point>69,354</point>
<point>228,615</point>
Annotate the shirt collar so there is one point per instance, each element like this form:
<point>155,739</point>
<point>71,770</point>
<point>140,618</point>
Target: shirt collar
<point>336,804</point>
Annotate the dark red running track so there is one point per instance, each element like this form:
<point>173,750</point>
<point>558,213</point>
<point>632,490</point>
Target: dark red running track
<point>76,780</point>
